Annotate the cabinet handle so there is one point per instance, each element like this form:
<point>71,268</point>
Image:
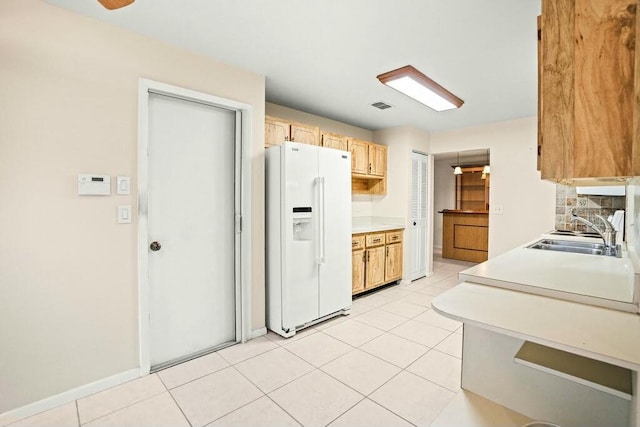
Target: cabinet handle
<point>368,255</point>
<point>369,167</point>
<point>539,150</point>
<point>387,254</point>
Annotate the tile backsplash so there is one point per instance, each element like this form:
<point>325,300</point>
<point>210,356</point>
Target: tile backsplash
<point>586,206</point>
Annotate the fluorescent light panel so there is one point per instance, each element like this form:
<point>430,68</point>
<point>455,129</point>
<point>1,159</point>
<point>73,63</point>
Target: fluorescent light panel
<point>416,85</point>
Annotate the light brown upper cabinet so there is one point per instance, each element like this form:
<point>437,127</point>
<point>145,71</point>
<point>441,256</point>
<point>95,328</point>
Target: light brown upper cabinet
<point>359,156</point>
<point>278,131</point>
<point>377,160</point>
<point>589,90</point>
<point>305,134</point>
<point>368,167</point>
<point>336,141</point>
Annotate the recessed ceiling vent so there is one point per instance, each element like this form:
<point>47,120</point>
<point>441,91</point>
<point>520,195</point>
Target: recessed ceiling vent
<point>381,105</point>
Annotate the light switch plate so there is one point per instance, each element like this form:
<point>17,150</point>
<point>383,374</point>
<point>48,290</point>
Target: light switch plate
<point>123,185</point>
<point>124,214</point>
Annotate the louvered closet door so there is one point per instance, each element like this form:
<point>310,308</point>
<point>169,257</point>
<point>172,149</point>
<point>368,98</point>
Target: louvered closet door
<point>418,225</point>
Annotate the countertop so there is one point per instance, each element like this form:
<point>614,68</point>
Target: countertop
<point>608,335</point>
<point>591,279</point>
<point>373,224</point>
<point>459,211</point>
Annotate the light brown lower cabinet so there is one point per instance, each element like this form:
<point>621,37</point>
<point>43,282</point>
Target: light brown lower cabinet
<point>357,272</point>
<point>377,259</point>
<point>374,273</point>
<point>393,262</point>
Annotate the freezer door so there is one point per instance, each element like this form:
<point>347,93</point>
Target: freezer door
<point>300,234</point>
<point>335,229</point>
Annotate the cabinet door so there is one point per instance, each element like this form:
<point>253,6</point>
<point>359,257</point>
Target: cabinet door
<point>359,156</point>
<point>275,132</point>
<point>589,96</point>
<point>357,272</point>
<point>377,159</point>
<point>305,134</point>
<point>333,140</point>
<point>375,267</point>
<point>393,263</point>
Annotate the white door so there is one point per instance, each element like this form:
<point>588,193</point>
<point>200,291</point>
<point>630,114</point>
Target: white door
<point>418,224</point>
<point>191,234</point>
<point>335,230</point>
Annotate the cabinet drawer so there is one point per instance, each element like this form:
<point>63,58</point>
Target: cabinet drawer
<point>375,239</point>
<point>357,242</point>
<point>394,237</point>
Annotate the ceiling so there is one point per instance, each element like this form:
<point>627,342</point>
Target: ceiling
<point>323,56</point>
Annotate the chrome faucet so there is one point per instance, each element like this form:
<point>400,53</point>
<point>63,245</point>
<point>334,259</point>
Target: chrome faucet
<point>608,234</point>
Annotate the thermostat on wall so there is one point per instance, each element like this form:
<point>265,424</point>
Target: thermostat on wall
<point>94,185</point>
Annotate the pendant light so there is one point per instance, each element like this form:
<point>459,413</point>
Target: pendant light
<point>458,170</point>
<point>487,168</point>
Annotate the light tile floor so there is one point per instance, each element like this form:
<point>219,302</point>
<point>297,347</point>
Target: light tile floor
<point>392,362</point>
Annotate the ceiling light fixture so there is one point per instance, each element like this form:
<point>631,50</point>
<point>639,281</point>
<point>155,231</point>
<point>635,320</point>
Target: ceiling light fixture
<point>115,4</point>
<point>416,85</point>
<point>457,170</point>
<point>487,168</point>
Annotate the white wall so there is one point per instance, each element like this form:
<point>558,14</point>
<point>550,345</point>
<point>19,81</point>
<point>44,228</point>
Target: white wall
<point>444,196</point>
<point>400,143</point>
<point>68,273</point>
<point>528,202</point>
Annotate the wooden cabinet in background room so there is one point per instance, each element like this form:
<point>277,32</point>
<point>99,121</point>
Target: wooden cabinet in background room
<point>377,259</point>
<point>472,191</point>
<point>278,131</point>
<point>465,235</point>
<point>589,97</point>
<point>332,140</point>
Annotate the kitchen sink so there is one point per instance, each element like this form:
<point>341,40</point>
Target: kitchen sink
<point>571,246</point>
<point>575,233</point>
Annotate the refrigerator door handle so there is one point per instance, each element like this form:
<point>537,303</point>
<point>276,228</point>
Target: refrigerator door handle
<point>321,229</point>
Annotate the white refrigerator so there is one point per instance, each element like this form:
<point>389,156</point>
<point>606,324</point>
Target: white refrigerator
<point>308,239</point>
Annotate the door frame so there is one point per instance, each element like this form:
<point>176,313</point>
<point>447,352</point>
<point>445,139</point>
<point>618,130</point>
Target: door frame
<point>242,207</point>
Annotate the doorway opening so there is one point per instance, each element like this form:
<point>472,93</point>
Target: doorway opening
<point>461,205</point>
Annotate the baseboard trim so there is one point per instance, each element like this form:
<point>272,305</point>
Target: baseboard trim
<point>67,396</point>
<point>405,282</point>
<point>258,333</point>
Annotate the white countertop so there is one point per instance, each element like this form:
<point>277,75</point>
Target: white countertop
<point>372,224</point>
<point>592,279</point>
<point>608,335</point>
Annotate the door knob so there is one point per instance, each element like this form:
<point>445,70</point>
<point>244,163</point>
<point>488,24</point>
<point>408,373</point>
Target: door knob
<point>155,246</point>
